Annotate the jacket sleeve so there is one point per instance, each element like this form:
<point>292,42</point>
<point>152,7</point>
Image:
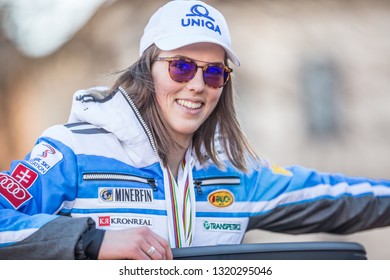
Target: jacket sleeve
<point>60,238</point>
<point>298,200</point>
<point>32,195</point>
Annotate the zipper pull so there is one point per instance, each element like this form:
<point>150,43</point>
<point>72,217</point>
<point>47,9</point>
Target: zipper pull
<point>152,184</point>
<point>198,186</point>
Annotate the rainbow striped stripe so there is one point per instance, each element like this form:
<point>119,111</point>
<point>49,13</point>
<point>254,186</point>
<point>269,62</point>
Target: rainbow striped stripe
<point>182,222</point>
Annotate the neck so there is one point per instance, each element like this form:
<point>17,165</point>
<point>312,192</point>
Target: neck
<point>176,154</point>
<point>183,140</point>
<point>174,160</point>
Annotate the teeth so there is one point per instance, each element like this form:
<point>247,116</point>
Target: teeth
<point>189,104</point>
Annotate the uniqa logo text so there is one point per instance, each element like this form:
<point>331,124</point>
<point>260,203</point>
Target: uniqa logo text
<point>201,23</point>
<point>200,18</point>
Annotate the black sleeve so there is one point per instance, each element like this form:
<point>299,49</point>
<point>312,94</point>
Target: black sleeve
<point>91,241</point>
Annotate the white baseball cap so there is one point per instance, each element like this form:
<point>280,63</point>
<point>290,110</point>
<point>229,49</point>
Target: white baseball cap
<point>183,22</point>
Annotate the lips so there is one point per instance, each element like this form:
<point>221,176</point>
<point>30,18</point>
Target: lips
<point>189,104</point>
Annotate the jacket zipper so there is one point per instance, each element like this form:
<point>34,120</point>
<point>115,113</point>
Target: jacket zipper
<point>199,183</point>
<point>142,121</point>
<point>120,177</point>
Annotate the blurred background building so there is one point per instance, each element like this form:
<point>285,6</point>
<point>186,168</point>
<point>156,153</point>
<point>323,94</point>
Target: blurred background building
<point>313,88</point>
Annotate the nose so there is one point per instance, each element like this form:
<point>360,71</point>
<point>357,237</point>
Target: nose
<point>197,83</point>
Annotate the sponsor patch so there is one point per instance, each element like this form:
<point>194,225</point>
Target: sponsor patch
<point>44,156</point>
<point>106,194</point>
<point>124,221</point>
<point>12,191</point>
<point>221,198</point>
<point>24,175</point>
<point>221,226</point>
<point>135,195</point>
<point>104,221</point>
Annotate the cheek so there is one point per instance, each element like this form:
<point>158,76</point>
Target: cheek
<point>161,92</point>
<point>164,94</point>
<point>163,84</point>
<point>161,97</point>
<point>214,98</point>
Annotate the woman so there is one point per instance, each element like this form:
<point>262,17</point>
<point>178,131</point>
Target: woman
<point>159,161</point>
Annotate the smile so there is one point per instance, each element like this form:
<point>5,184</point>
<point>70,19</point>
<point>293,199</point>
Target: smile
<point>189,104</point>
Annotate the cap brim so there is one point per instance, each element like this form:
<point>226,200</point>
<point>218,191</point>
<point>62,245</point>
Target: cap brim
<point>175,42</point>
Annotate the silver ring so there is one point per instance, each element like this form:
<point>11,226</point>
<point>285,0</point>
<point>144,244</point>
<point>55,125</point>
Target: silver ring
<point>151,251</point>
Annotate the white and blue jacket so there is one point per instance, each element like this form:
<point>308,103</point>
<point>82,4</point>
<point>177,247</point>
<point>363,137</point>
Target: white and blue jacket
<point>102,166</point>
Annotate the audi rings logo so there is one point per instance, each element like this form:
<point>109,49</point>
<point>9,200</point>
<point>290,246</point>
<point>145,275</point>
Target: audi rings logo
<point>12,191</point>
<point>13,188</point>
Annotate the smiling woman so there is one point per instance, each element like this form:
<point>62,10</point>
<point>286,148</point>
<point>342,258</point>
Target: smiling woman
<point>186,106</point>
<point>159,161</point>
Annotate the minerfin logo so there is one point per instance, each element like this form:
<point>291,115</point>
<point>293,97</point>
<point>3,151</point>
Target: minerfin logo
<point>199,16</point>
<point>135,195</point>
<point>106,194</point>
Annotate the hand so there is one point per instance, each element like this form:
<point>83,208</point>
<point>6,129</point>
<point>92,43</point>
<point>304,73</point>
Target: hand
<point>134,243</point>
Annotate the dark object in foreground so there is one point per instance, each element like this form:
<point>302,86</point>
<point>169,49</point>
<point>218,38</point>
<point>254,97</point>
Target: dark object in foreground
<point>275,251</point>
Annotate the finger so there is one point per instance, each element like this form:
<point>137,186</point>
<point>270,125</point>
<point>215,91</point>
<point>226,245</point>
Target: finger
<point>142,255</point>
<point>154,250</point>
<point>162,246</point>
<point>137,254</point>
<point>150,238</point>
<point>154,254</point>
<point>169,255</point>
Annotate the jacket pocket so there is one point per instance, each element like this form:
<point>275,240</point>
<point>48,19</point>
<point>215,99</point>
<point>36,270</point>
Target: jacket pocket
<point>120,177</point>
<point>215,181</point>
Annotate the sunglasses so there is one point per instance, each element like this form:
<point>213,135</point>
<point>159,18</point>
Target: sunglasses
<point>183,70</point>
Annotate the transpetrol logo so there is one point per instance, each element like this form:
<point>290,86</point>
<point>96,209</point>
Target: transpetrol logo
<point>200,17</point>
<point>221,226</point>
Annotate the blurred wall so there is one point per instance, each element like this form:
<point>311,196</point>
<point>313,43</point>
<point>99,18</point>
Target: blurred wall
<point>313,88</point>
